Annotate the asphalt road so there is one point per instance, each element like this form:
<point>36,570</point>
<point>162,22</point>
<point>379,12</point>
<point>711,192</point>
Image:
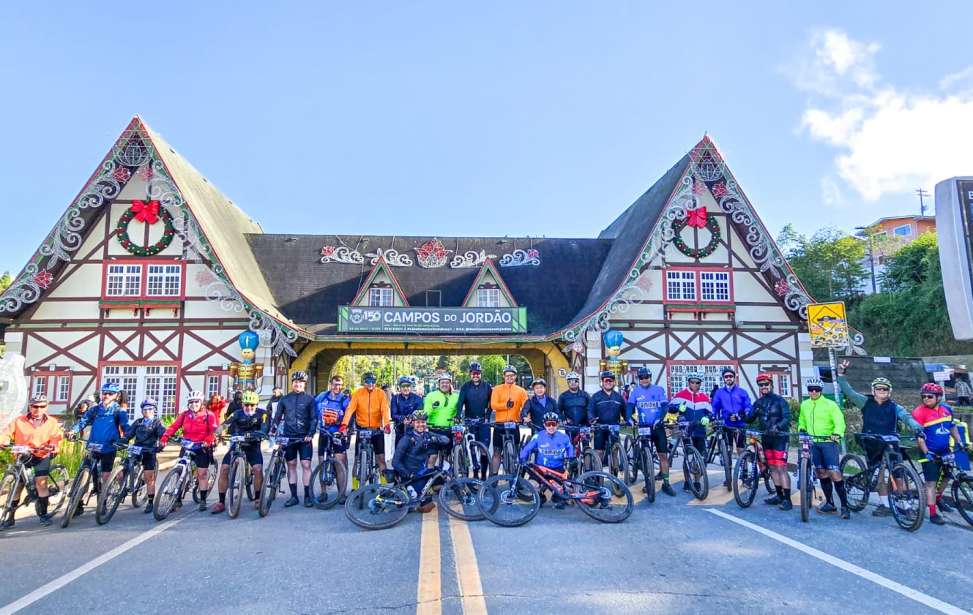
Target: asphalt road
<point>676,555</point>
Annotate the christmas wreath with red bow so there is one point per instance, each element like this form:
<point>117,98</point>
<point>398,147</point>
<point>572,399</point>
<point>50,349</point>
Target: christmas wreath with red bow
<point>697,218</point>
<point>148,212</point>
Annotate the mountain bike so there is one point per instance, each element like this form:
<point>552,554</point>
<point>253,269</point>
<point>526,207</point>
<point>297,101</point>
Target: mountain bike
<point>364,469</point>
<point>240,474</point>
<point>18,476</point>
<point>274,472</point>
<point>326,487</point>
<point>179,480</point>
<point>585,459</point>
<point>126,480</point>
<point>469,454</point>
<point>693,464</point>
<point>750,468</point>
<point>905,489</point>
<point>805,473</point>
<point>510,445</point>
<point>86,478</point>
<point>718,448</point>
<point>614,460</point>
<point>643,450</point>
<point>511,500</point>
<point>960,485</point>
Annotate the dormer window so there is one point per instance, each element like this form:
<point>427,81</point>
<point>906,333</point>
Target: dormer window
<point>488,297</point>
<point>380,296</point>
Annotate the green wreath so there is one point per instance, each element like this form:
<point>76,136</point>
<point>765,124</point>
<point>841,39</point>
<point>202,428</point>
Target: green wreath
<point>714,241</point>
<point>122,232</point>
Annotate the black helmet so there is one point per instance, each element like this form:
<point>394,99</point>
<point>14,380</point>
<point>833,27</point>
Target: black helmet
<point>475,367</point>
<point>420,415</point>
<point>551,416</point>
<point>608,374</point>
<point>368,378</point>
<point>644,373</point>
<point>302,376</point>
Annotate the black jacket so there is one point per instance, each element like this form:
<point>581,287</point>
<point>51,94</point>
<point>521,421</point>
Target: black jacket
<point>413,451</point>
<point>146,433</point>
<point>773,411</point>
<point>296,410</point>
<point>573,407</point>
<point>240,424</point>
<point>536,408</point>
<point>474,400</point>
<point>607,408</point>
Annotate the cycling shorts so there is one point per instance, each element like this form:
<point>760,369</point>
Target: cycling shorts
<point>873,451</point>
<point>41,466</point>
<point>104,461</point>
<point>202,458</point>
<point>250,451</point>
<point>337,446</point>
<point>824,455</point>
<point>481,433</point>
<point>299,448</point>
<point>660,439</point>
<point>149,461</point>
<point>498,433</point>
<point>601,439</point>
<point>775,448</point>
<point>931,470</point>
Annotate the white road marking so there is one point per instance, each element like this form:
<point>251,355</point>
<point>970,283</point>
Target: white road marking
<point>908,592</point>
<point>61,581</point>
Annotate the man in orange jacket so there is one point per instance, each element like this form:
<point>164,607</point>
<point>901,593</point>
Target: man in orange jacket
<point>42,433</point>
<point>369,406</point>
<point>506,402</point>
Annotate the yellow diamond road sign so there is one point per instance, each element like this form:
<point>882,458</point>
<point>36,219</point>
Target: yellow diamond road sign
<point>827,324</point>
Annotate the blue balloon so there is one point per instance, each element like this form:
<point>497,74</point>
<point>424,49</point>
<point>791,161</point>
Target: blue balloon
<point>249,340</point>
<point>613,339</point>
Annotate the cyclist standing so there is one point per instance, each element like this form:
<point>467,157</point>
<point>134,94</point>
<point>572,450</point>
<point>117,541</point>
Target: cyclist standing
<point>506,402</point>
<point>412,453</point>
<point>440,408</point>
<point>731,403</point>
<point>108,422</point>
<point>938,427</point>
<point>474,402</point>
<point>823,418</point>
<point>552,448</point>
<point>607,407</point>
<point>147,431</point>
<point>297,418</point>
<point>694,407</point>
<point>331,407</point>
<point>43,434</point>
<point>572,404</point>
<point>251,422</point>
<point>648,401</point>
<point>369,407</point>
<point>775,417</point>
<point>404,403</point>
<point>198,424</point>
<point>539,404</point>
<point>880,416</point>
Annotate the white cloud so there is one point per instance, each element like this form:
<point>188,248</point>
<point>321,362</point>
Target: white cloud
<point>831,194</point>
<point>888,140</point>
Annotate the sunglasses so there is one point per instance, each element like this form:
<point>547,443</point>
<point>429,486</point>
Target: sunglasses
<point>929,396</point>
<point>886,389</point>
<point>814,389</point>
<point>195,401</point>
<point>763,384</point>
<point>550,424</point>
<point>728,376</point>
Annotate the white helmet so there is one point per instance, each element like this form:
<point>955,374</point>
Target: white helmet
<point>444,376</point>
<point>195,396</point>
<point>573,376</point>
<point>814,382</point>
<point>694,374</point>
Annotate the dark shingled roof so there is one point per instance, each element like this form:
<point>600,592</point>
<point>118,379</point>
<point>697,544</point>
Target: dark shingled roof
<point>309,292</point>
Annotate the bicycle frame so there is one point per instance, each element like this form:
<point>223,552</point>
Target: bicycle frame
<point>560,483</point>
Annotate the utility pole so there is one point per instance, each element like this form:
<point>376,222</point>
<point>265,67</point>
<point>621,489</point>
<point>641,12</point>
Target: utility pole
<point>922,204</point>
<point>871,254</point>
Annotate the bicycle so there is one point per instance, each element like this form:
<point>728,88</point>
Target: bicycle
<point>126,480</point>
<point>510,445</point>
<point>274,472</point>
<point>693,464</point>
<point>364,469</point>
<point>179,480</point>
<point>750,468</point>
<point>511,500</point>
<point>614,459</point>
<point>86,478</point>
<point>960,484</point>
<point>717,443</point>
<point>326,488</point>
<point>18,476</point>
<point>805,473</point>
<point>585,459</point>
<point>240,478</point>
<point>643,450</point>
<point>906,491</point>
<point>469,454</point>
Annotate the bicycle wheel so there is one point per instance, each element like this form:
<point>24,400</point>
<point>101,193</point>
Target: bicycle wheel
<point>458,498</point>
<point>600,502</point>
<point>235,487</point>
<point>377,507</point>
<point>325,488</point>
<point>57,489</point>
<point>618,456</point>
<point>648,474</point>
<point>271,484</point>
<point>724,452</point>
<point>169,491</point>
<point>908,500</point>
<point>248,483</point>
<point>632,463</point>
<point>805,486</point>
<point>509,457</point>
<point>853,472</point>
<point>458,460</point>
<point>480,455</point>
<point>111,496</point>
<point>79,487</point>
<point>505,505</point>
<point>746,479</point>
<point>590,461</point>
<point>139,489</point>
<point>8,489</point>
<point>694,471</point>
<point>963,496</point>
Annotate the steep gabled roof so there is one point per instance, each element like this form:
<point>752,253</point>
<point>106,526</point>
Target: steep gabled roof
<point>489,268</point>
<point>380,265</point>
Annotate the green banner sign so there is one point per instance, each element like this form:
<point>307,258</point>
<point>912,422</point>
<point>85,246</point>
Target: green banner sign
<point>354,319</point>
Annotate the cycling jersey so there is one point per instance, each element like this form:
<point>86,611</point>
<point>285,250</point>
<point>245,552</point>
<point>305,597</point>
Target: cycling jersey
<point>146,433</point>
<point>23,433</point>
<point>299,415</point>
<point>413,451</point>
<point>607,408</point>
<point>537,407</point>
<point>648,403</point>
<point>937,425</point>
<point>507,400</point>
<point>242,424</point>
<point>369,409</point>
<point>196,427</point>
<point>573,406</point>
<point>693,407</point>
<point>107,424</point>
<point>331,410</point>
<point>474,400</point>
<point>440,407</point>
<point>404,405</point>
<point>773,412</point>
<point>821,417</point>
<point>551,449</point>
<point>728,401</point>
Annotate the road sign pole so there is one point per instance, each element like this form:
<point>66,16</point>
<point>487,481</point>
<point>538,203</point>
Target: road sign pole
<point>837,390</point>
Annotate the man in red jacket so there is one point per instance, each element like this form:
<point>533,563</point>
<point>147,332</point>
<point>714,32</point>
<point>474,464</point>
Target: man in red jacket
<point>198,425</point>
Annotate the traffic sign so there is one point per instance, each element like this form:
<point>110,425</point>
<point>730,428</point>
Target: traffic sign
<point>827,324</point>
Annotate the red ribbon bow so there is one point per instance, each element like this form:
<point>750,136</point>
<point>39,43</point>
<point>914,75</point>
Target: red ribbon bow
<point>696,217</point>
<point>147,212</point>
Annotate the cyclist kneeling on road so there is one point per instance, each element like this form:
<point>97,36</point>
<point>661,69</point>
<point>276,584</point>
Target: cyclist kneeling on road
<point>147,431</point>
<point>648,401</point>
<point>198,425</point>
<point>250,422</point>
<point>42,433</point>
<point>938,427</point>
<point>412,454</point>
<point>822,418</point>
<point>108,422</point>
<point>775,418</point>
<point>552,448</point>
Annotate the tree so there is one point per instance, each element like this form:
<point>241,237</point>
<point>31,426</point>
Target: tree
<point>829,262</point>
<point>5,281</point>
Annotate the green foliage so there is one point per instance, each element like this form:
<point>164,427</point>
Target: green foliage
<point>829,262</point>
<point>71,455</point>
<point>5,281</point>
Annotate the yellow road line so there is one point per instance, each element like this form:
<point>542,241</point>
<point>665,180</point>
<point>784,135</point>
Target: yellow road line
<point>429,593</point>
<point>717,497</point>
<point>467,570</point>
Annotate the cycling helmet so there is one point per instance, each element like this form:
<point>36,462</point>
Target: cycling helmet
<point>764,377</point>
<point>302,376</point>
<point>728,370</point>
<point>551,416</point>
<point>607,374</point>
<point>509,369</point>
<point>475,367</point>
<point>882,381</point>
<point>250,397</point>
<point>38,401</point>
<point>148,402</point>
<point>405,380</point>
<point>444,376</point>
<point>814,383</point>
<point>644,373</point>
<point>931,388</point>
<point>420,415</point>
<point>539,381</point>
<point>195,396</point>
<point>368,378</point>
<point>110,387</point>
<point>573,376</point>
<point>693,375</point>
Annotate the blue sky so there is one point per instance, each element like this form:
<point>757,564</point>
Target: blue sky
<point>508,118</point>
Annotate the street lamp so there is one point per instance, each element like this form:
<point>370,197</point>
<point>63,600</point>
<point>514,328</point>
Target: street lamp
<point>871,254</point>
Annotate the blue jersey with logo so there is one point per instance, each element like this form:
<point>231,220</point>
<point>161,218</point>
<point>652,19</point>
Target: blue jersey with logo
<point>649,402</point>
<point>551,450</point>
<point>331,410</point>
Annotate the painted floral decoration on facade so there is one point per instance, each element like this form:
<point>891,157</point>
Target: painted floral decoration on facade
<point>148,212</point>
<point>781,287</point>
<point>696,218</point>
<point>521,258</point>
<point>431,254</point>
<point>341,254</point>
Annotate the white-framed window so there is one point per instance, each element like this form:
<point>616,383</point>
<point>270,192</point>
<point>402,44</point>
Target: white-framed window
<point>163,280</point>
<point>712,376</point>
<point>488,297</point>
<point>714,285</point>
<point>160,384</point>
<point>904,230</point>
<point>40,386</point>
<point>380,296</point>
<point>124,281</point>
<point>142,381</point>
<point>213,385</point>
<point>681,285</point>
<point>62,391</point>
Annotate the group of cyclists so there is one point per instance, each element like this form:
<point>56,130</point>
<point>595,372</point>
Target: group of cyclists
<point>422,430</point>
